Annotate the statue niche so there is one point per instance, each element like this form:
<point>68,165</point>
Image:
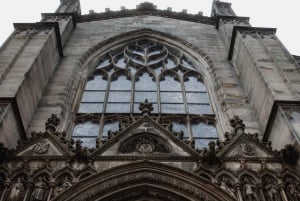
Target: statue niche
<point>144,143</point>
<point>249,189</point>
<point>40,188</point>
<point>270,191</point>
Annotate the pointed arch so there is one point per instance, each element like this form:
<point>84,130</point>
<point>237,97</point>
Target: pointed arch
<point>149,176</point>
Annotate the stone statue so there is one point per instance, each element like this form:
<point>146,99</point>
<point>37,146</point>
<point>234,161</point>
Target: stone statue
<point>250,192</point>
<point>292,193</point>
<point>66,183</point>
<point>16,190</point>
<point>225,187</point>
<point>39,190</point>
<point>271,192</point>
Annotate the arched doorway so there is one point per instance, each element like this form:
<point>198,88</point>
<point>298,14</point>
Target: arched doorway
<point>144,181</point>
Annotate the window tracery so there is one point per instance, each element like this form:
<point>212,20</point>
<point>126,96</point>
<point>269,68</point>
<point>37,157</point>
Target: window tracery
<point>146,69</point>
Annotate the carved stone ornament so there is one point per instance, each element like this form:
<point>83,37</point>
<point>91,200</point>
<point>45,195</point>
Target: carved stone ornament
<point>41,147</point>
<point>246,150</point>
<point>144,143</point>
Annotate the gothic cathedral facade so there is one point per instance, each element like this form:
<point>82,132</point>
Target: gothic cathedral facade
<point>148,104</point>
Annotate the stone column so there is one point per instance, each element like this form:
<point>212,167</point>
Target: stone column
<point>52,185</point>
<point>238,192</point>
<point>29,186</point>
<point>7,185</point>
<point>280,188</point>
<point>261,192</point>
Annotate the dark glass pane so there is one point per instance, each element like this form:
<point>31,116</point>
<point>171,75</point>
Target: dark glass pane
<point>140,97</point>
<point>118,108</point>
<point>194,85</point>
<point>136,108</point>
<point>204,130</point>
<point>202,143</point>
<point>96,84</point>
<point>122,83</point>
<point>169,84</point>
<point>93,96</point>
<point>113,126</point>
<point>87,142</point>
<point>90,108</point>
<point>181,127</point>
<point>171,97</point>
<point>172,108</point>
<point>197,97</point>
<point>119,96</point>
<point>86,129</point>
<point>199,109</point>
<point>145,82</point>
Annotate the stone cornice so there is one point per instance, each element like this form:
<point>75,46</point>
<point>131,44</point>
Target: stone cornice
<point>137,12</point>
<point>40,25</point>
<point>237,18</point>
<point>73,15</point>
<point>246,29</point>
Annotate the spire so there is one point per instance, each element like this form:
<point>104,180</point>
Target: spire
<point>69,6</point>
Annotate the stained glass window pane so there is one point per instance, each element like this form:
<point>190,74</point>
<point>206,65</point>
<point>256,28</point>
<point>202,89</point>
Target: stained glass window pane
<point>118,108</point>
<point>119,96</point>
<point>169,63</point>
<point>122,83</point>
<point>197,97</point>
<point>145,82</point>
<point>86,129</point>
<point>136,108</point>
<point>172,108</point>
<point>169,84</point>
<point>113,126</point>
<point>90,108</point>
<point>171,97</point>
<point>202,143</point>
<point>199,109</point>
<point>96,84</point>
<point>194,85</point>
<point>204,130</point>
<point>140,97</point>
<point>121,62</point>
<point>93,96</point>
<point>180,127</point>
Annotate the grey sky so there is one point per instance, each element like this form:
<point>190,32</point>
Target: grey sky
<point>262,13</point>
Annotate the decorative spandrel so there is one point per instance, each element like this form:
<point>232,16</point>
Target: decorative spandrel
<point>146,144</point>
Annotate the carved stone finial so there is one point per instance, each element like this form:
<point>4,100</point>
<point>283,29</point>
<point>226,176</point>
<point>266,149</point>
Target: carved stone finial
<point>146,6</point>
<point>52,123</point>
<point>81,153</point>
<point>146,107</point>
<point>237,124</point>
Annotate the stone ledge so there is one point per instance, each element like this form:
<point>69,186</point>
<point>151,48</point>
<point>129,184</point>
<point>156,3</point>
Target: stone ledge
<point>39,25</point>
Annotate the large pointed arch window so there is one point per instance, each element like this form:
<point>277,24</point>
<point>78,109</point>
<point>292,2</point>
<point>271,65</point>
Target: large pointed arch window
<point>145,69</point>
